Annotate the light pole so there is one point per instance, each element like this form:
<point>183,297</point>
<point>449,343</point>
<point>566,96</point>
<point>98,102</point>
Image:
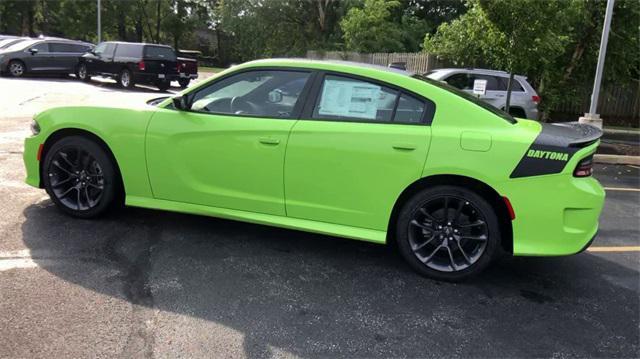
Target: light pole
<point>592,117</point>
<point>99,24</point>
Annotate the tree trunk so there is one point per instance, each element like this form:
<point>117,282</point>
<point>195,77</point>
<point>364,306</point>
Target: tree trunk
<point>158,20</point>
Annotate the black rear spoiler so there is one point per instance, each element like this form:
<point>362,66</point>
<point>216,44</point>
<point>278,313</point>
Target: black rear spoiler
<point>569,134</point>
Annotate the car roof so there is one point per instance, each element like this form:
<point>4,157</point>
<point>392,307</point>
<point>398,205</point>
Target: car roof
<point>137,43</point>
<point>475,71</point>
<point>343,65</point>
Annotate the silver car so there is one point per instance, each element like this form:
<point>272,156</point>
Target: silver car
<point>524,99</point>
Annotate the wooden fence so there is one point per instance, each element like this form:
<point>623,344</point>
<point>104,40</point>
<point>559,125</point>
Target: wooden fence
<point>617,104</point>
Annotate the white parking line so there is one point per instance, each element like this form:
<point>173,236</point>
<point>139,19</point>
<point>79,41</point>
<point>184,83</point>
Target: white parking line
<point>622,189</point>
<point>16,260</point>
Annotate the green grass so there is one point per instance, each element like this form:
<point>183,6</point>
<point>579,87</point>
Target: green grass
<point>210,69</point>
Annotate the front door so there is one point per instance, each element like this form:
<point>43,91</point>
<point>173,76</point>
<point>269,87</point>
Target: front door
<point>228,150</point>
<point>349,158</point>
<point>38,58</point>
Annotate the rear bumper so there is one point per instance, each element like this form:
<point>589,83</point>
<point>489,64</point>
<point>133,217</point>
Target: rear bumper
<point>188,76</point>
<point>152,78</point>
<point>555,214</point>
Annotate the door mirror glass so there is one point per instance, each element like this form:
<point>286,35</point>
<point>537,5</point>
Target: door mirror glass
<point>33,51</point>
<point>275,96</point>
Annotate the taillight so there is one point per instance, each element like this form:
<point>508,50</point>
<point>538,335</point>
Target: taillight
<point>535,99</point>
<point>141,66</point>
<point>584,167</point>
<point>178,66</point>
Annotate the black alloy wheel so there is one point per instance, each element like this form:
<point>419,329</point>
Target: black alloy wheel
<point>80,177</point>
<point>448,233</point>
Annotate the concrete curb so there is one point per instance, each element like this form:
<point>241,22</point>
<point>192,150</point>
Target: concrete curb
<point>617,159</point>
<point>627,132</point>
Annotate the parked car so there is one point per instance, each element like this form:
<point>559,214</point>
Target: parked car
<point>50,56</point>
<point>362,152</point>
<point>131,63</point>
<point>187,66</point>
<point>4,37</point>
<point>524,99</point>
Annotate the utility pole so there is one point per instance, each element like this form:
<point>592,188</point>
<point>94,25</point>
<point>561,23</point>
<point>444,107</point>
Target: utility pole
<point>99,24</point>
<point>592,117</point>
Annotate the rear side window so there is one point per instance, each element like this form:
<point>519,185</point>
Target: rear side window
<point>159,53</point>
<point>344,98</point>
<point>128,50</point>
<point>515,85</point>
<point>409,110</point>
<point>63,47</point>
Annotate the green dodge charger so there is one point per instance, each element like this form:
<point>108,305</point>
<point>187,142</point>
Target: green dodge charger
<point>348,150</point>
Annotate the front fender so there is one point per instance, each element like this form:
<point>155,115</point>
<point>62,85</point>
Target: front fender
<point>122,130</point>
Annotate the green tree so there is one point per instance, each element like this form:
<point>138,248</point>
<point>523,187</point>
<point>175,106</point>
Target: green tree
<point>371,28</point>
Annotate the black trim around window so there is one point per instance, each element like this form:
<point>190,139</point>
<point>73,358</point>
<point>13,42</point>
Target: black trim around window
<point>297,109</point>
<point>314,98</point>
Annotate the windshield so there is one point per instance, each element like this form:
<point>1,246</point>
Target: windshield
<point>468,97</point>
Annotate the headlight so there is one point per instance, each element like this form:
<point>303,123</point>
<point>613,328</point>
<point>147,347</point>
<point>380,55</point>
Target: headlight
<point>35,127</point>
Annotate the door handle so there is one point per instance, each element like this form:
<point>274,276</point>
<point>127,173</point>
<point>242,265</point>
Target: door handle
<point>269,141</point>
<point>403,147</point>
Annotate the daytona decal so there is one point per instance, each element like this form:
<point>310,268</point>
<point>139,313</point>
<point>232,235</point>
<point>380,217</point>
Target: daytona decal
<point>548,155</point>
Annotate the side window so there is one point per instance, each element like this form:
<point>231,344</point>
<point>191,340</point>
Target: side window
<point>343,98</point>
<point>109,49</point>
<point>409,110</point>
<point>62,47</point>
<point>515,85</point>
<point>41,47</point>
<point>492,82</point>
<point>263,93</point>
<point>100,48</point>
<point>460,81</point>
<point>126,50</point>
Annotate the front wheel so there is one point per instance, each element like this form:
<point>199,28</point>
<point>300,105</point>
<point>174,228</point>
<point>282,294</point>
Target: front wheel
<point>82,73</point>
<point>80,177</point>
<point>17,68</point>
<point>448,233</point>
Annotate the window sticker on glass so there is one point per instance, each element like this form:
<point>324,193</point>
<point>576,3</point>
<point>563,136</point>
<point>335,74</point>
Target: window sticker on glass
<point>349,99</point>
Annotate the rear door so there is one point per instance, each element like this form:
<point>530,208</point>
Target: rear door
<point>357,146</point>
<point>65,55</point>
<point>160,60</point>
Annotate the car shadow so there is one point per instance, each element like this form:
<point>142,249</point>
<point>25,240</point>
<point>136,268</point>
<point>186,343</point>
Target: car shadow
<point>315,295</point>
<point>101,82</point>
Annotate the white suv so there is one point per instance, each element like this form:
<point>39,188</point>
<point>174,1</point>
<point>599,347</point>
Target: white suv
<point>524,99</point>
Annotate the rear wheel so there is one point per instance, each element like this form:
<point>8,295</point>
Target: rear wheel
<point>125,79</point>
<point>17,68</point>
<point>184,82</point>
<point>448,233</point>
<point>163,85</point>
<point>80,177</point>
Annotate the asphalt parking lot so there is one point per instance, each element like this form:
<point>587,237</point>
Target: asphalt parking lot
<point>146,283</point>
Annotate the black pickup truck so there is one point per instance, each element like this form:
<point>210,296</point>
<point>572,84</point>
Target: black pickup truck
<point>130,63</point>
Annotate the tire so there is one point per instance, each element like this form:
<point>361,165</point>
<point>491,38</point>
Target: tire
<point>449,250</point>
<point>163,85</point>
<point>125,79</point>
<point>16,68</point>
<point>82,73</point>
<point>184,83</point>
<point>80,177</point>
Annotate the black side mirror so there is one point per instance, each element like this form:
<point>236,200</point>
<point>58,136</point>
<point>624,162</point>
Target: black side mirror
<point>180,102</point>
<point>33,51</point>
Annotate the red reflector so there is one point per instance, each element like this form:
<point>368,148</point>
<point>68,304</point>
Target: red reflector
<point>512,214</point>
<point>141,66</point>
<point>535,99</point>
<point>39,155</point>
